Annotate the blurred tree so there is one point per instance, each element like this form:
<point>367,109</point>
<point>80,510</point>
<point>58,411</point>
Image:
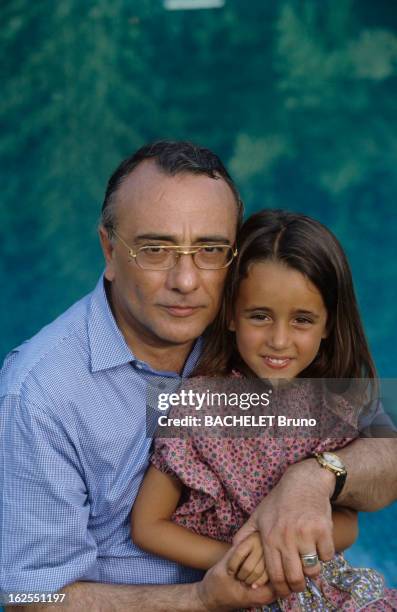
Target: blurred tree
<point>298,97</point>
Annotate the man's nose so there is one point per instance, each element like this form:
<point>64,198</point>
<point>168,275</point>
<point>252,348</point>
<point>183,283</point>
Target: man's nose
<point>279,336</point>
<point>184,276</point>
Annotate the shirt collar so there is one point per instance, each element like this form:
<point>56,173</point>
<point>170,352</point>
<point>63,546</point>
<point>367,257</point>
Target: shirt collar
<point>108,347</point>
<point>107,344</point>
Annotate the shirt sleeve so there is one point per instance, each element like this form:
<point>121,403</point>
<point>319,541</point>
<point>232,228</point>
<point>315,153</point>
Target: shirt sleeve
<point>375,422</point>
<point>45,542</point>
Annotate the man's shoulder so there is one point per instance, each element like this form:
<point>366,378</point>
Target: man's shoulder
<point>51,353</point>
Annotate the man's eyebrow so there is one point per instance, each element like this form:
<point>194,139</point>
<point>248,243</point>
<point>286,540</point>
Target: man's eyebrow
<point>214,239</point>
<point>218,239</point>
<point>156,237</point>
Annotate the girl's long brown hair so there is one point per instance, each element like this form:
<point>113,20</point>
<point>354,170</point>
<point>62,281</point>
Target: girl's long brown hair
<point>306,245</point>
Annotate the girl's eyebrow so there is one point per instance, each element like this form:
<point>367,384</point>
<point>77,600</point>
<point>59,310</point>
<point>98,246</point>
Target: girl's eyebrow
<point>306,312</point>
<point>298,311</point>
<point>252,308</point>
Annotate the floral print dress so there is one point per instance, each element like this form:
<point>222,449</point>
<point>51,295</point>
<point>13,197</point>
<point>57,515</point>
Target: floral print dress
<point>224,480</point>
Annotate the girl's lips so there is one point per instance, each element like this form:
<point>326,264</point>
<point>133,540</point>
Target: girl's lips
<point>277,363</point>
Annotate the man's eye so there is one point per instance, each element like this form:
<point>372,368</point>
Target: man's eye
<point>212,249</point>
<point>155,249</point>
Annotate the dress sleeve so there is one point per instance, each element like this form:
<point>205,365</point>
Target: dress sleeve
<point>339,420</point>
<point>44,504</point>
<point>180,452</point>
<point>170,455</point>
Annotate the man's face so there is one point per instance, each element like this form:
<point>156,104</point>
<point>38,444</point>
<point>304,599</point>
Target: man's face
<point>160,308</point>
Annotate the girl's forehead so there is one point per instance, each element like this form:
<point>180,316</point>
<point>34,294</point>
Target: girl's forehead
<point>277,282</point>
<point>273,269</point>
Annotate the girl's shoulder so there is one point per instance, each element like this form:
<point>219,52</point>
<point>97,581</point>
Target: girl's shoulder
<point>236,374</point>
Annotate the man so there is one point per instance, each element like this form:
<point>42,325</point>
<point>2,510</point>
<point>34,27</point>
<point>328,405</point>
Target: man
<point>74,406</point>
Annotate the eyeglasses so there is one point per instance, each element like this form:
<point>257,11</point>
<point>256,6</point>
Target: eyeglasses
<point>162,257</point>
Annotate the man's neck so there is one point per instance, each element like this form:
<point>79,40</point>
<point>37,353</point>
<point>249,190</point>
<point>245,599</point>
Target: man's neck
<point>169,359</point>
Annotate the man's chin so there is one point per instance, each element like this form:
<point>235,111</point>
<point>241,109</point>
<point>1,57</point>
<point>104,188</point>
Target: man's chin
<point>179,337</point>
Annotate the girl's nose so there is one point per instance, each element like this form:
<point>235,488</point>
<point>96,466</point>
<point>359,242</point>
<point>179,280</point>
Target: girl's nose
<point>279,336</point>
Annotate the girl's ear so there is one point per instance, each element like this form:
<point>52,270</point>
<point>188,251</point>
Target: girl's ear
<point>327,328</point>
<point>231,325</point>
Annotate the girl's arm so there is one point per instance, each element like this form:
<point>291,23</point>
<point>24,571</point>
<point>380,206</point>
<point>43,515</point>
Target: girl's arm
<point>153,530</point>
<point>345,527</point>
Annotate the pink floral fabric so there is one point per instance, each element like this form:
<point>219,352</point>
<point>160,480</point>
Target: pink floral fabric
<point>225,479</point>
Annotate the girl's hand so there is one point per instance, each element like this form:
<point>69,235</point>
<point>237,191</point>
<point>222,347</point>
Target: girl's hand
<point>247,562</point>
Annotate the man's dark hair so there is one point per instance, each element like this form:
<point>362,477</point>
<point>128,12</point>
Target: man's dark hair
<point>171,158</point>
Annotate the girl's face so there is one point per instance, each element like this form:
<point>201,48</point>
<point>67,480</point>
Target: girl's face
<point>279,319</point>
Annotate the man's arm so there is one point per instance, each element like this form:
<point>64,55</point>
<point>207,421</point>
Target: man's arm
<point>96,597</point>
<point>295,518</point>
<point>372,475</point>
<point>217,592</point>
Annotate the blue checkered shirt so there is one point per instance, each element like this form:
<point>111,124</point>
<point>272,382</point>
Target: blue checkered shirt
<point>73,452</point>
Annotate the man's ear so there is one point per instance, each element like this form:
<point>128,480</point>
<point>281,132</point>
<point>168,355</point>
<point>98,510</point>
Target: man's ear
<point>108,252</point>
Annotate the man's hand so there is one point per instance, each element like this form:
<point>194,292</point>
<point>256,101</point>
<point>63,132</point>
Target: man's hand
<point>247,562</point>
<point>294,519</point>
<point>220,590</point>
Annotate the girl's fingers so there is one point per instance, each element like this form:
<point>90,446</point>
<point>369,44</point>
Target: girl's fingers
<point>248,566</point>
<point>257,573</point>
<point>261,581</point>
<point>238,557</point>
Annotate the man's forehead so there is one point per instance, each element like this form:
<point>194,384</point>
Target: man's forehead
<point>150,201</point>
<point>147,178</point>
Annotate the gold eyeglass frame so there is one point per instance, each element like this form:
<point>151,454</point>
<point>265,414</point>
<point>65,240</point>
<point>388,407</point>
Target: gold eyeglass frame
<point>179,250</point>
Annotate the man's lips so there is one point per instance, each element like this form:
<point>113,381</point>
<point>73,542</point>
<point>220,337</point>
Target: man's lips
<point>181,311</point>
<point>277,363</point>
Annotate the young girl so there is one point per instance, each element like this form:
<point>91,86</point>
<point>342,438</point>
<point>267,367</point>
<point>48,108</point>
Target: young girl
<point>290,312</point>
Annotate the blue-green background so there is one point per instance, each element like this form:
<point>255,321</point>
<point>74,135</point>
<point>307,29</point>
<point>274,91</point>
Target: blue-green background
<point>298,97</point>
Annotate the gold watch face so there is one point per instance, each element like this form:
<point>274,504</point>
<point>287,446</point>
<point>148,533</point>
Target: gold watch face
<point>333,460</point>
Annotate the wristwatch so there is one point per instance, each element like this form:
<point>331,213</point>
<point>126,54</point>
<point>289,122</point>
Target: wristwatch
<point>334,464</point>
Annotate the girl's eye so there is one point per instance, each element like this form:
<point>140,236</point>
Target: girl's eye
<point>260,316</point>
<point>303,321</point>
